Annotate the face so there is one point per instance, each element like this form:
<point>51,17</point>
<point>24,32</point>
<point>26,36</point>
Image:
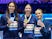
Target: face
<point>28,9</point>
<point>11,7</point>
<point>38,14</point>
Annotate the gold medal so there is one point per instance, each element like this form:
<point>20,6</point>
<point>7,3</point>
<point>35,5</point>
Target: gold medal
<point>26,21</point>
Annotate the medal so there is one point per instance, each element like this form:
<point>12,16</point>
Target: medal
<point>27,20</point>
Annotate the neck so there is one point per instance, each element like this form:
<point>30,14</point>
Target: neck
<point>40,18</point>
<point>11,12</point>
<point>27,15</point>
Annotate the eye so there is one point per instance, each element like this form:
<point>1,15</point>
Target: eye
<point>13,6</point>
<point>26,8</point>
<point>9,6</point>
<point>38,13</point>
<point>29,8</point>
<point>35,13</point>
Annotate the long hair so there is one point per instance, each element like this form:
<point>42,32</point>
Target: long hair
<point>15,11</point>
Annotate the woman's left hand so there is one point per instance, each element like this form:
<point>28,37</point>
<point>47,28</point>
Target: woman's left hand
<point>40,23</point>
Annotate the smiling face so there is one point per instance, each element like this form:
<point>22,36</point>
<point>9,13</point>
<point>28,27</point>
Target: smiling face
<point>28,9</point>
<point>38,13</point>
<point>11,7</point>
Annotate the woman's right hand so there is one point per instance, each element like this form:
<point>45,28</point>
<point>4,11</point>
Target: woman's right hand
<point>25,24</point>
<point>9,21</point>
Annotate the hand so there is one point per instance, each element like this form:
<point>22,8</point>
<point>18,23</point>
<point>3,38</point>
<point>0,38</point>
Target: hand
<point>49,29</point>
<point>25,24</point>
<point>40,23</point>
<point>20,34</point>
<point>9,21</point>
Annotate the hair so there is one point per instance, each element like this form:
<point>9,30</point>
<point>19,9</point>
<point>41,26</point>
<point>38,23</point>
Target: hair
<point>26,5</point>
<point>39,9</point>
<point>15,11</point>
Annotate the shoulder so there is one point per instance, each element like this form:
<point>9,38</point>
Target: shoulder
<point>18,15</point>
<point>33,17</point>
<point>3,18</point>
<point>22,17</point>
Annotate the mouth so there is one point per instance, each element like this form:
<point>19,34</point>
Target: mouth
<point>37,16</point>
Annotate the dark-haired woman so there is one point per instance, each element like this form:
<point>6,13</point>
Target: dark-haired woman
<point>28,21</point>
<point>11,22</point>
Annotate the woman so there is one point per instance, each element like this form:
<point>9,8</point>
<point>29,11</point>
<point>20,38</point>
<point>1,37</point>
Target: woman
<point>11,22</point>
<point>39,16</point>
<point>44,29</point>
<point>28,20</point>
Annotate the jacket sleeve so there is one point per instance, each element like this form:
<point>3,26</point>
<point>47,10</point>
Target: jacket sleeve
<point>3,23</point>
<point>45,30</point>
<point>20,24</point>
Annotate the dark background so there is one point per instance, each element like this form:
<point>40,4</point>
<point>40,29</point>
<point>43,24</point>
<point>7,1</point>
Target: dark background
<point>45,5</point>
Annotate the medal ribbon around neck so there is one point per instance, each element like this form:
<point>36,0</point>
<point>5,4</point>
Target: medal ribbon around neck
<point>27,20</point>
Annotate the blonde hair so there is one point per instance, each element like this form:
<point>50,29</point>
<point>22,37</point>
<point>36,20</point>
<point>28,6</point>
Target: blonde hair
<point>39,9</point>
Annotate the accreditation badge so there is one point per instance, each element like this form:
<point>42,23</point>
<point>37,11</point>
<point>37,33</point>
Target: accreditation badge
<point>29,28</point>
<point>13,25</point>
<point>37,30</point>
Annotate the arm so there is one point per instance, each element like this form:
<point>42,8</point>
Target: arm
<point>20,24</point>
<point>45,30</point>
<point>3,23</point>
